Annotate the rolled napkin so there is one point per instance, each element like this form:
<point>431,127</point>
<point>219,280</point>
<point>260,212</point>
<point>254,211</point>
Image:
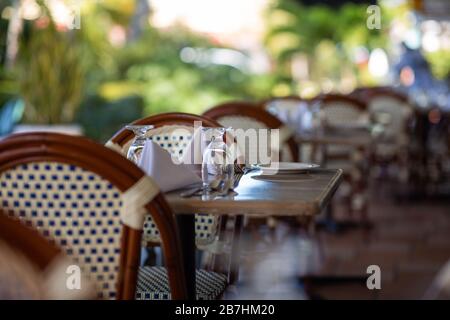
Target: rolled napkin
<point>169,175</point>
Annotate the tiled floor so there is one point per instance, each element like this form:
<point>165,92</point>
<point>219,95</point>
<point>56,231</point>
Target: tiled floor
<point>409,240</point>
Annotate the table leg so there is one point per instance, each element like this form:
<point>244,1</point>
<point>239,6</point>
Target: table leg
<point>186,229</point>
<point>236,250</point>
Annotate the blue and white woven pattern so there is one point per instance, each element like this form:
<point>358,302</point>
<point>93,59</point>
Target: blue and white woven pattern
<point>76,208</point>
<point>175,139</point>
<point>153,284</point>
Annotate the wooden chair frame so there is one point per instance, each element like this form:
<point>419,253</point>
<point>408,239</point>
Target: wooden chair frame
<point>160,120</point>
<point>28,241</point>
<point>31,147</point>
<point>331,97</point>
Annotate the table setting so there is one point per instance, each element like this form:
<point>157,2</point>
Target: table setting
<point>216,176</point>
<point>204,169</point>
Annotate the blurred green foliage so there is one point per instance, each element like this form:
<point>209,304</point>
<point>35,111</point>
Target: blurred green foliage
<point>50,75</point>
<point>326,36</point>
<point>440,63</point>
<point>102,118</point>
<point>150,68</point>
<point>122,81</point>
<point>121,78</point>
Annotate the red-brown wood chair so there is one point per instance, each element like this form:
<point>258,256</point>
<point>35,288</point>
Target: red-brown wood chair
<point>342,112</point>
<point>247,115</point>
<point>91,202</point>
<point>173,132</point>
<point>297,113</point>
<point>31,267</point>
<point>392,110</point>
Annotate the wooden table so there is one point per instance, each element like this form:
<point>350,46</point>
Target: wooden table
<point>303,194</point>
<point>306,195</point>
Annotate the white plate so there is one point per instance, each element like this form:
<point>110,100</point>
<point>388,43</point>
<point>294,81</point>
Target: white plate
<point>287,167</point>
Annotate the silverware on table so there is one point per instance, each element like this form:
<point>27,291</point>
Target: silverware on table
<point>219,188</point>
<point>191,192</point>
<point>215,185</point>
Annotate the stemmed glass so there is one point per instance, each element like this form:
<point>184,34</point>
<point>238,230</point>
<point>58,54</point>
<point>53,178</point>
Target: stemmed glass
<point>136,147</point>
<point>218,162</point>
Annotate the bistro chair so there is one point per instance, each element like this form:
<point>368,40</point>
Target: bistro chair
<point>31,267</point>
<point>341,110</point>
<point>342,114</point>
<point>170,133</point>
<point>247,115</point>
<point>298,114</point>
<point>394,113</point>
<point>92,202</point>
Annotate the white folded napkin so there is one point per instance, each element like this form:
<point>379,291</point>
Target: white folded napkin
<point>158,164</point>
<point>193,153</point>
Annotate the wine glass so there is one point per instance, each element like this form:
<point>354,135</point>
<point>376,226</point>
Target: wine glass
<point>217,161</point>
<point>136,147</point>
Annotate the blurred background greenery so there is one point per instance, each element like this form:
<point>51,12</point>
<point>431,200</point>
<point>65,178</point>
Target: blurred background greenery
<point>120,65</point>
